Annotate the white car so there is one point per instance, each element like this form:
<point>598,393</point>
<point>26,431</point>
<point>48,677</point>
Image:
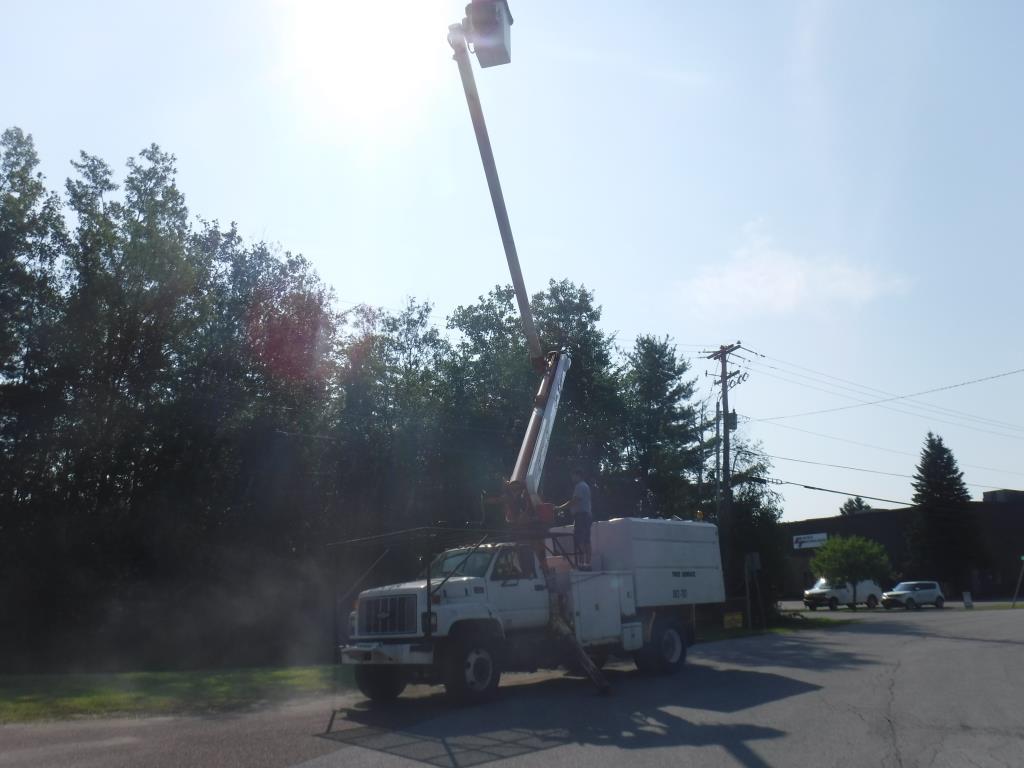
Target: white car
<point>914,594</point>
<point>833,595</point>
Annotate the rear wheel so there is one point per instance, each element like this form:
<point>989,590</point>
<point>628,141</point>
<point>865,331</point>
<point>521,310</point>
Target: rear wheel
<point>871,602</point>
<point>666,653</point>
<point>939,602</point>
<point>473,671</point>
<point>833,604</point>
<point>380,683</point>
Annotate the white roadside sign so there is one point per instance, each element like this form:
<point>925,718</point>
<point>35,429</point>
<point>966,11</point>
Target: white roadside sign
<point>809,540</point>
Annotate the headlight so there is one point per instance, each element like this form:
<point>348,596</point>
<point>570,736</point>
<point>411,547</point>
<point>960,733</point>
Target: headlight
<point>431,618</point>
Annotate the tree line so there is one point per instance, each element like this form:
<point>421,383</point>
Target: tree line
<point>187,418</point>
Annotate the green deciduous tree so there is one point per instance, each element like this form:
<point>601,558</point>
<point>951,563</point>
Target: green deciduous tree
<point>753,525</point>
<point>851,559</point>
<point>186,418</point>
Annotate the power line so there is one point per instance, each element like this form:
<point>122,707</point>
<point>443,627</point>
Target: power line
<point>880,404</point>
<point>886,407</point>
<point>863,389</point>
<point>844,466</point>
<point>876,447</point>
<point>841,493</point>
<point>901,397</point>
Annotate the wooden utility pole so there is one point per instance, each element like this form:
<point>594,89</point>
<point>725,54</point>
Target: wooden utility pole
<point>722,355</point>
<point>700,474</point>
<point>729,561</point>
<point>718,460</point>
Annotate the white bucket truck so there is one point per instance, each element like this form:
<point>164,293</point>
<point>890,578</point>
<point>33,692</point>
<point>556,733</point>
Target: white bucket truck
<point>493,608</point>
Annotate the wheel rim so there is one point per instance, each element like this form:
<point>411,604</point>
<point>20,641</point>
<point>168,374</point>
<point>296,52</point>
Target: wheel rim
<point>478,669</point>
<point>671,646</point>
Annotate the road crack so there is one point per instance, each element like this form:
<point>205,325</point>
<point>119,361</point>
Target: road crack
<point>889,715</point>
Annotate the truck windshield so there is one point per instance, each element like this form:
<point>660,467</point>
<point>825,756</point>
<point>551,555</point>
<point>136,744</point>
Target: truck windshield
<point>475,565</point>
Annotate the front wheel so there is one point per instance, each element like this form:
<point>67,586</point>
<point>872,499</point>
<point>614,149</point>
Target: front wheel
<point>910,604</point>
<point>473,671</point>
<point>939,602</point>
<point>871,602</point>
<point>666,653</point>
<point>380,683</point>
<point>812,607</point>
<point>833,604</point>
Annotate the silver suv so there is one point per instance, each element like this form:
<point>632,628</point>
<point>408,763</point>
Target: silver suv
<point>914,594</point>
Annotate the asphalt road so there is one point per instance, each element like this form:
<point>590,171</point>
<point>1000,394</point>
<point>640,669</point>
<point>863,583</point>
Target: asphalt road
<point>927,688</point>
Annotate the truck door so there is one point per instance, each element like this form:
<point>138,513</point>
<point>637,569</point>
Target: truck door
<point>518,589</point>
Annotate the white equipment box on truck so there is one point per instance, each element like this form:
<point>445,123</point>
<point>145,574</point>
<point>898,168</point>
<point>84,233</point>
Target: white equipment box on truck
<point>673,562</point>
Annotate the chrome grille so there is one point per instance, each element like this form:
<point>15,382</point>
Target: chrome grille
<point>388,615</point>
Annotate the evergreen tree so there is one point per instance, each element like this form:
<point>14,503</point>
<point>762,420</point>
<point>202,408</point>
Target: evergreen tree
<point>942,539</point>
<point>938,481</point>
<point>660,447</point>
<point>853,506</point>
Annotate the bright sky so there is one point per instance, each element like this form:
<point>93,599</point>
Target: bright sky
<point>838,185</point>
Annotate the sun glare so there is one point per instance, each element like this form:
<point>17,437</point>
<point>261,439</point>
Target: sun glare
<point>366,66</point>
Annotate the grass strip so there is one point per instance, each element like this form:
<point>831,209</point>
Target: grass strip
<point>781,625</point>
<point>25,698</point>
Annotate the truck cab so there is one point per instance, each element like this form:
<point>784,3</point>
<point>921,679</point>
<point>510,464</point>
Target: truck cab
<point>481,594</point>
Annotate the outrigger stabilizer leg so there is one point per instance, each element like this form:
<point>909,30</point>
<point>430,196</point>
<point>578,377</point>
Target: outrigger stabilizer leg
<point>565,632</point>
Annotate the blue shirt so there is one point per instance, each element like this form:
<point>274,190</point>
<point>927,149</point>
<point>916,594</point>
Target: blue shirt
<point>581,501</point>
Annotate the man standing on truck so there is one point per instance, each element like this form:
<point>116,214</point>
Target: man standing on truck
<point>582,518</point>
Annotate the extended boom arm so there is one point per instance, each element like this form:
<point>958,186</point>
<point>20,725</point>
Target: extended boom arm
<point>521,493</point>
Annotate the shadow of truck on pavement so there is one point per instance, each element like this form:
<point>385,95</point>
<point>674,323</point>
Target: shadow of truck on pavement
<point>641,713</point>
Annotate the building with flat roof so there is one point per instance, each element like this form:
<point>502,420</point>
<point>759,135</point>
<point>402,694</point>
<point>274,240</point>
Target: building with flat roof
<point>999,516</point>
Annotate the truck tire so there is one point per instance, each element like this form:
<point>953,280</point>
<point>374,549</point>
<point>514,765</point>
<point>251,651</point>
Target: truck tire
<point>472,670</point>
<point>666,653</point>
<point>380,683</point>
<point>872,602</point>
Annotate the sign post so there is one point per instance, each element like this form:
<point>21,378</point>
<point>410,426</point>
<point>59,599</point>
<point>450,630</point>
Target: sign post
<point>1016,591</point>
